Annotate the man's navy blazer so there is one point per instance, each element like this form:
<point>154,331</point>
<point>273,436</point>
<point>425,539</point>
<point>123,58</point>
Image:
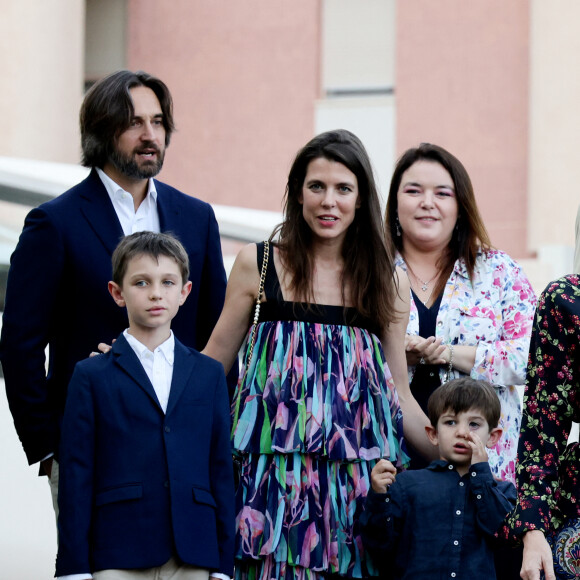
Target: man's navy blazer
<point>138,486</point>
<point>57,295</point>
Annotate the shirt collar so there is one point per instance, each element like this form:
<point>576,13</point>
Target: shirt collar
<point>113,188</point>
<point>441,465</point>
<point>167,348</point>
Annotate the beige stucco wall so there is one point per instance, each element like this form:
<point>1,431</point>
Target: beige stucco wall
<point>372,120</point>
<point>41,44</point>
<point>244,77</point>
<point>106,42</point>
<point>358,76</point>
<point>358,44</point>
<point>554,182</point>
<point>462,82</point>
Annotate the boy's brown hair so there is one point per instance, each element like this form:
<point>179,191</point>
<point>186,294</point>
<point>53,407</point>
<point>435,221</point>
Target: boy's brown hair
<point>149,244</point>
<point>460,395</point>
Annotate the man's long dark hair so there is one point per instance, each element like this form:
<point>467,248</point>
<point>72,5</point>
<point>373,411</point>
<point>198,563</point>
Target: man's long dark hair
<point>108,109</point>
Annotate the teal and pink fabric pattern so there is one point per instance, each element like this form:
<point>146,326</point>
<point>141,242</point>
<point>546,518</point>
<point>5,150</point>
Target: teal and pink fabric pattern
<point>315,411</point>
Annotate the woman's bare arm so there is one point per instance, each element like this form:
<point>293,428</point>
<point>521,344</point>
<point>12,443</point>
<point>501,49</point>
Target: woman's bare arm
<point>228,334</point>
<point>414,419</point>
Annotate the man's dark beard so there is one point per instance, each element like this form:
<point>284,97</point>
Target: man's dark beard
<point>127,165</point>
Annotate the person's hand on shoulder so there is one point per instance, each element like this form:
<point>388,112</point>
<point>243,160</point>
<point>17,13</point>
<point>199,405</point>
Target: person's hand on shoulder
<point>103,347</point>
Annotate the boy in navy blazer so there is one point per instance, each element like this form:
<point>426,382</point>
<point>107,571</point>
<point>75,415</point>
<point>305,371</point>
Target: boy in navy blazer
<point>146,481</point>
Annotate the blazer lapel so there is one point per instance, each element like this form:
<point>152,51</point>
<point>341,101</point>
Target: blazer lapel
<point>98,210</point>
<point>126,358</point>
<point>168,209</point>
<point>183,364</point>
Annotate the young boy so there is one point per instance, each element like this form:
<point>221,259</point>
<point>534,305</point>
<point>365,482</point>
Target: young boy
<point>437,522</point>
<point>146,484</point>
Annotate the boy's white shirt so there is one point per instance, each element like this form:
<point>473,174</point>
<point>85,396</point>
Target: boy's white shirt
<point>159,368</point>
<point>157,364</point>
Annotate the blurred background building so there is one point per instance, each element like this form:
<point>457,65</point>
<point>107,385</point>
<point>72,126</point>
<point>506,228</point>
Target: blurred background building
<point>254,80</point>
<point>498,84</point>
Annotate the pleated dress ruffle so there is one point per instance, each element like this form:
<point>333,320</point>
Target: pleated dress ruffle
<point>315,411</point>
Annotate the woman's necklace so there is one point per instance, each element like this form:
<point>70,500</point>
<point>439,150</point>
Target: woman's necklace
<point>424,284</point>
<point>428,297</point>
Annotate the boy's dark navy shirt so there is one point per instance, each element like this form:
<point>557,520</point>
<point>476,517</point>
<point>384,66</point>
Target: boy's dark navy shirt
<point>433,523</point>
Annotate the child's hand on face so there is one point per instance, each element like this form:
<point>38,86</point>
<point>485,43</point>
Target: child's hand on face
<point>478,450</point>
<point>382,475</point>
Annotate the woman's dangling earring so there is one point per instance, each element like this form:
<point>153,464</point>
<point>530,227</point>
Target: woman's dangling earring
<point>397,227</point>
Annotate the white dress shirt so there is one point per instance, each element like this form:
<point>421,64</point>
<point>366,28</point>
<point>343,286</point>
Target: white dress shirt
<point>157,364</point>
<point>146,218</point>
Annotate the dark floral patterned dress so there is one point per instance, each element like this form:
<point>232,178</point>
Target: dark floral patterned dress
<point>548,468</point>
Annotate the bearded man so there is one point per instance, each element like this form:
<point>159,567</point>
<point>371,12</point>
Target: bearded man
<point>57,291</point>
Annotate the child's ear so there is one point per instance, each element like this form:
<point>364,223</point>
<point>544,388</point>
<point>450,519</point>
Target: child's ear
<point>494,436</point>
<point>432,434</point>
<point>185,292</point>
<point>117,294</point>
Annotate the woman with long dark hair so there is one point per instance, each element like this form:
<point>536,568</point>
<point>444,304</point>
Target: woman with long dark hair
<point>471,306</point>
<point>317,407</point>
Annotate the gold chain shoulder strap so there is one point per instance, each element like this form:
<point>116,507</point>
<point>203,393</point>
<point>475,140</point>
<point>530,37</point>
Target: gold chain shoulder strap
<point>258,300</point>
<point>252,340</point>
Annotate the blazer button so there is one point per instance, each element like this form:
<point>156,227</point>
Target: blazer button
<point>167,429</point>
<point>166,484</point>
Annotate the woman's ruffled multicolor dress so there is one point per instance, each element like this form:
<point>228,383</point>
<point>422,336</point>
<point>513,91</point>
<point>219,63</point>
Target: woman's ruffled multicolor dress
<point>315,411</point>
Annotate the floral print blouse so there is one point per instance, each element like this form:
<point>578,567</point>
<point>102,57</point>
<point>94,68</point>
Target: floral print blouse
<point>548,468</point>
<point>495,314</point>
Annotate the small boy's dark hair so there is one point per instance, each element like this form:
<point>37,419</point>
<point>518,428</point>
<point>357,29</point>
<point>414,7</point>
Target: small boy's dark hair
<point>460,395</point>
<point>150,244</point>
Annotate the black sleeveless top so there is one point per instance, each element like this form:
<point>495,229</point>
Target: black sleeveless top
<point>276,308</point>
<point>426,377</point>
